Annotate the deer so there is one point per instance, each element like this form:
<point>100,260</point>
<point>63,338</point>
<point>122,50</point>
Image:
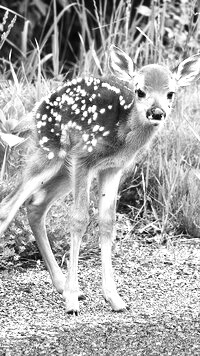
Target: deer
<point>92,127</point>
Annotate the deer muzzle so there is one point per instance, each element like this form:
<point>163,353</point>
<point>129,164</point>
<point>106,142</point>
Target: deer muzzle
<point>155,115</point>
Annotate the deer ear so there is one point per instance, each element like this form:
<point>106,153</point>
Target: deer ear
<point>120,64</point>
<point>188,71</point>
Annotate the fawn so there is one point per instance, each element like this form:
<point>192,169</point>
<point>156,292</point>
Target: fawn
<point>92,127</point>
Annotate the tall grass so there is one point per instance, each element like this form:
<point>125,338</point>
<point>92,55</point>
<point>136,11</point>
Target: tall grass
<point>175,156</point>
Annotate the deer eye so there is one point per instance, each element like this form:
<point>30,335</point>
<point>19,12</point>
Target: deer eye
<point>140,93</point>
<point>170,95</point>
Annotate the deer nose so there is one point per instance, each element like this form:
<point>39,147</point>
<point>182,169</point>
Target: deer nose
<point>155,114</point>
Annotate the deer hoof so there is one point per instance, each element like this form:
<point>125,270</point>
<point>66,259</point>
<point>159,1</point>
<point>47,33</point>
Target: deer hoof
<point>71,302</point>
<point>116,302</point>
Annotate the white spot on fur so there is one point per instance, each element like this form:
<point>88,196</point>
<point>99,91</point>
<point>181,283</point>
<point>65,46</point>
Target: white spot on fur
<point>39,124</point>
<point>58,118</point>
<point>110,87</point>
<point>94,142</point>
<point>77,111</point>
<point>106,133</point>
<point>95,115</point>
<point>50,155</point>
<point>85,137</point>
<point>95,128</point>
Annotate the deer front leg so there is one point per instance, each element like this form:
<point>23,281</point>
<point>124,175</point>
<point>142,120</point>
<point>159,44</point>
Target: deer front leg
<point>108,187</point>
<point>79,222</point>
<point>78,227</point>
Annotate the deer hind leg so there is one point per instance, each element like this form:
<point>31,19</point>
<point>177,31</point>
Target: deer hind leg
<point>31,183</point>
<point>80,217</point>
<point>37,208</point>
<point>108,187</point>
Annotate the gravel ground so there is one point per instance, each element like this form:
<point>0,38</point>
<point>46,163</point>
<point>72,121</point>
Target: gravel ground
<point>161,286</point>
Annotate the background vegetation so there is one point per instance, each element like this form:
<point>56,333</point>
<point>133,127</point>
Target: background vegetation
<point>43,45</point>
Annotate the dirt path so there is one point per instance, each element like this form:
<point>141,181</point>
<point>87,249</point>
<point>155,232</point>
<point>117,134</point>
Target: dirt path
<point>161,286</point>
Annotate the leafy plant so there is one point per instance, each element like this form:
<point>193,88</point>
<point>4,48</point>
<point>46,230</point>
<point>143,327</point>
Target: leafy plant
<point>10,129</point>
